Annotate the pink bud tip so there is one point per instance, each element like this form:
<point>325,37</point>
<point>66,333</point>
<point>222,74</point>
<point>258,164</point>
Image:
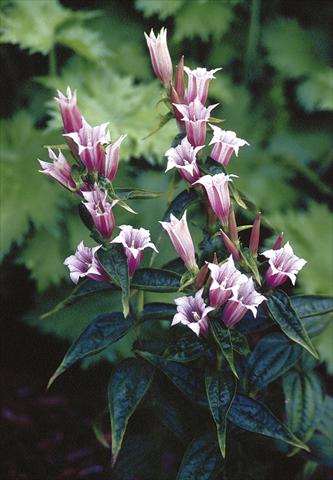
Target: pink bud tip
<point>255,234</point>
<point>230,246</point>
<point>278,242</point>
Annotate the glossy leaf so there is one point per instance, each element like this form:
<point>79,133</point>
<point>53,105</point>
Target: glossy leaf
<point>128,385</point>
<point>221,390</point>
<point>114,262</point>
<point>158,311</point>
<point>272,357</point>
<point>326,419</point>
<point>253,416</point>
<point>181,203</point>
<point>156,280</point>
<point>202,460</point>
<point>169,412</point>
<point>249,324</point>
<point>105,330</point>
<point>187,380</point>
<point>239,342</point>
<point>223,339</point>
<point>304,396</point>
<point>186,348</point>
<point>130,194</point>
<point>286,317</point>
<point>315,325</point>
<point>311,305</point>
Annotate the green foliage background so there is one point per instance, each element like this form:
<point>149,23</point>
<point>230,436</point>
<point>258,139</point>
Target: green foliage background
<point>275,90</point>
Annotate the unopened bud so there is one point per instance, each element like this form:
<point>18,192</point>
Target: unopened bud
<point>278,242</point>
<point>232,225</point>
<point>230,246</point>
<point>255,235</point>
<point>201,277</point>
<point>179,80</point>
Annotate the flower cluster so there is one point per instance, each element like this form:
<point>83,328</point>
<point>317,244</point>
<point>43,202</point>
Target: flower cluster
<point>231,293</point>
<point>97,158</point>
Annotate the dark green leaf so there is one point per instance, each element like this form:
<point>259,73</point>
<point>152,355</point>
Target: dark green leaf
<point>180,204</point>
<point>311,305</point>
<point>326,419</point>
<point>223,339</point>
<point>129,194</point>
<point>188,380</point>
<point>169,412</point>
<point>315,325</point>
<point>156,280</point>
<point>202,460</point>
<point>304,397</point>
<point>255,417</point>
<point>186,348</point>
<point>249,324</point>
<point>272,357</point>
<point>102,332</point>
<point>114,262</point>
<point>221,390</point>
<point>321,449</point>
<point>158,311</point>
<point>176,265</point>
<point>239,342</point>
<point>129,382</point>
<point>288,320</point>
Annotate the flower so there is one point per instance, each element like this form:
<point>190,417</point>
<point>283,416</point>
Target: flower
<point>226,280</point>
<point>85,264</point>
<point>110,159</point>
<point>225,144</point>
<point>283,264</point>
<point>192,311</point>
<point>89,141</point>
<point>243,299</point>
<point>217,190</point>
<point>183,158</point>
<point>255,235</point>
<point>60,169</point>
<point>134,240</point>
<point>100,211</point>
<point>198,83</point>
<point>195,117</point>
<point>71,116</point>
<point>181,239</point>
<point>160,56</point>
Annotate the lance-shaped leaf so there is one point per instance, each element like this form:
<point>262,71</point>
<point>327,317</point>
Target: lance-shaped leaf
<point>129,382</point>
<point>114,262</point>
<point>105,330</point>
<point>181,203</point>
<point>202,459</point>
<point>158,311</point>
<point>272,357</point>
<point>255,417</point>
<point>249,324</point>
<point>131,194</point>
<point>169,412</point>
<point>156,280</point>
<point>222,337</point>
<point>288,320</point>
<point>304,395</point>
<point>186,379</point>
<point>221,390</point>
<point>311,305</point>
<point>186,348</point>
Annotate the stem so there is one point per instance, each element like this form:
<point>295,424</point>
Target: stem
<point>52,62</point>
<point>250,56</point>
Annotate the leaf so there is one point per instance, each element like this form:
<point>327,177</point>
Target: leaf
<point>222,337</point>
<point>186,379</point>
<point>249,324</point>
<point>285,316</point>
<point>114,262</point>
<point>272,357</point>
<point>239,342</point>
<point>304,399</point>
<point>253,416</point>
<point>129,194</point>
<point>170,413</point>
<point>221,389</point>
<point>156,280</point>
<point>202,459</point>
<point>128,385</point>
<point>315,93</point>
<point>321,450</point>
<point>326,419</point>
<point>103,331</point>
<point>158,311</point>
<point>186,348</point>
<point>311,305</point>
<point>159,7</point>
<point>181,203</point>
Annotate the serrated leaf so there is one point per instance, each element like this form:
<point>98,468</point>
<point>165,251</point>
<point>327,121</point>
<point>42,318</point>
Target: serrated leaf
<point>114,262</point>
<point>104,330</point>
<point>304,397</point>
<point>202,459</point>
<point>128,385</point>
<point>158,311</point>
<point>83,41</point>
<point>181,203</point>
<point>156,280</point>
<point>273,356</point>
<point>286,317</point>
<point>186,379</point>
<point>186,348</point>
<point>253,416</point>
<point>221,389</point>
<point>315,93</point>
<point>223,339</point>
<point>161,8</point>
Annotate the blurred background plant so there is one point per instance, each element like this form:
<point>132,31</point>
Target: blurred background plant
<point>275,90</point>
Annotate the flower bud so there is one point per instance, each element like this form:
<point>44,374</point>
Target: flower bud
<point>160,56</point>
<point>255,235</point>
<point>232,225</point>
<point>179,80</point>
<point>71,116</point>
<point>230,246</point>
<point>278,241</point>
